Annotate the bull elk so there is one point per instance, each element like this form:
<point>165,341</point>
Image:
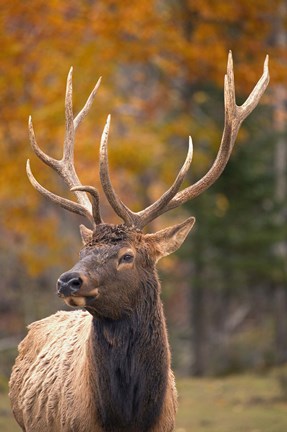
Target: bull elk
<point>107,367</point>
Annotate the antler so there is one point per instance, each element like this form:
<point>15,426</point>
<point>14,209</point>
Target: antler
<point>172,198</point>
<point>143,217</point>
<point>65,167</point>
<point>234,116</point>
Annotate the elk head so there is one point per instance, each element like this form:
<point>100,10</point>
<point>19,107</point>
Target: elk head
<point>115,259</point>
<point>116,264</point>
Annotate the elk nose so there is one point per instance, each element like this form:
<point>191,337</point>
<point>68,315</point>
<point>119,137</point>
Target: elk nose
<point>68,284</point>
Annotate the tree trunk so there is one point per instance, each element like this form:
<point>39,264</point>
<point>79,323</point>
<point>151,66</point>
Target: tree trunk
<point>280,164</point>
<point>198,314</point>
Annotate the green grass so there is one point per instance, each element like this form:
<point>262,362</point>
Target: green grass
<point>7,422</point>
<point>245,403</point>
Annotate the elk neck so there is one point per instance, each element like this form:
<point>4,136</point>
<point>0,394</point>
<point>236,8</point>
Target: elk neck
<point>131,360</point>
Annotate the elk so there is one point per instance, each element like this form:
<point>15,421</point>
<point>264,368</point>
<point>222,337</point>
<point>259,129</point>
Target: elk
<point>106,367</point>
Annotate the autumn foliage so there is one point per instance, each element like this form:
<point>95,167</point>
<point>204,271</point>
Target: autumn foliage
<point>162,64</point>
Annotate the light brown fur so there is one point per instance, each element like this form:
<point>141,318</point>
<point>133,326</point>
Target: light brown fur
<point>50,352</point>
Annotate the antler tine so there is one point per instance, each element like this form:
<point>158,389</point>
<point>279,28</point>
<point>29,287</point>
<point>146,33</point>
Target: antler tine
<point>63,202</point>
<point>95,201</point>
<point>155,209</point>
<point>84,111</point>
<point>119,207</point>
<point>234,116</point>
<point>65,166</point>
<point>69,141</point>
<point>48,160</point>
<point>256,93</point>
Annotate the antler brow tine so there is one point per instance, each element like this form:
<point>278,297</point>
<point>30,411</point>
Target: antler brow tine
<point>63,202</point>
<point>95,201</point>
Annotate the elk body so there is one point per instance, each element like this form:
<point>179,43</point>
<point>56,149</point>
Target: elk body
<point>107,367</point>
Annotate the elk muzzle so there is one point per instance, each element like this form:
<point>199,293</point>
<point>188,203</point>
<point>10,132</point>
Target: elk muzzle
<point>69,284</point>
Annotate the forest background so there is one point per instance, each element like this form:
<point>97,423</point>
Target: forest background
<point>162,63</point>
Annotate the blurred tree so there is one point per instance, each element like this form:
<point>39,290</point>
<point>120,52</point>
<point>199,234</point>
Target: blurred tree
<point>280,190</point>
<point>239,257</point>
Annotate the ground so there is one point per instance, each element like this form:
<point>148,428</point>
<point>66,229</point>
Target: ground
<point>244,403</point>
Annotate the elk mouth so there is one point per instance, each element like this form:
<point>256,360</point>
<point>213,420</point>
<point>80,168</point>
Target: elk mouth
<point>81,299</point>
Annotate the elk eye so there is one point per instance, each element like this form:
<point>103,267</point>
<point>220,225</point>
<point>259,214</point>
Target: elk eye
<point>126,258</point>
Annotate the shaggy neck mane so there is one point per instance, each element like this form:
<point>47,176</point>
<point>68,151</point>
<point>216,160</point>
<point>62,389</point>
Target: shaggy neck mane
<point>130,359</point>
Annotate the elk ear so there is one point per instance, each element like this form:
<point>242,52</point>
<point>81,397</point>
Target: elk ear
<point>86,234</point>
<point>168,240</point>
